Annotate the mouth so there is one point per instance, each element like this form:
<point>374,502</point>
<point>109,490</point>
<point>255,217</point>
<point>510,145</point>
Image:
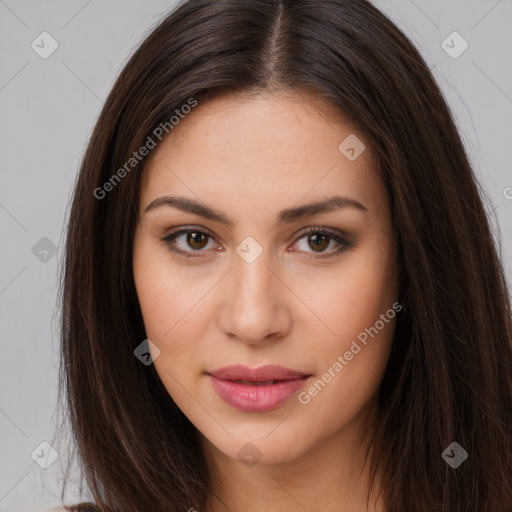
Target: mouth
<point>256,390</point>
<point>264,374</point>
<point>256,383</point>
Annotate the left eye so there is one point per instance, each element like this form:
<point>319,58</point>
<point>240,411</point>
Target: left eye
<point>317,239</point>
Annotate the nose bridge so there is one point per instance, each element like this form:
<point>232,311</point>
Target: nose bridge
<point>253,308</point>
<point>253,280</point>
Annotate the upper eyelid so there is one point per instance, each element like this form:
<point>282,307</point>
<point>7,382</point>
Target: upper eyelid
<point>306,231</point>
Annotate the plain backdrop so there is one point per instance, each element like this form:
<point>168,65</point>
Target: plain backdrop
<point>48,107</point>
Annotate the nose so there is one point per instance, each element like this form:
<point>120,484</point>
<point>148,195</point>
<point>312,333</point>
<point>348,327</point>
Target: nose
<point>254,307</point>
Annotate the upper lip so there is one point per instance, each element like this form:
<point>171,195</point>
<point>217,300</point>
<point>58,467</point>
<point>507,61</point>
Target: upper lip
<point>261,374</point>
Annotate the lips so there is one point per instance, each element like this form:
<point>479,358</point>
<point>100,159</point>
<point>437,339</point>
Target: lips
<point>267,373</point>
<point>256,390</point>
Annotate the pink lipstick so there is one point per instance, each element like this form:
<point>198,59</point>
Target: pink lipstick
<point>256,390</point>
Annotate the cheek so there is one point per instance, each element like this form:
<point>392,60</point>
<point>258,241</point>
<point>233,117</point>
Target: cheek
<point>161,291</point>
<point>353,296</point>
<point>356,308</point>
<point>154,291</point>
<point>350,363</point>
<point>170,299</point>
<point>158,300</point>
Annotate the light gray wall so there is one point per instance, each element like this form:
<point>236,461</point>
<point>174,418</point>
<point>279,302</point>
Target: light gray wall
<point>47,111</point>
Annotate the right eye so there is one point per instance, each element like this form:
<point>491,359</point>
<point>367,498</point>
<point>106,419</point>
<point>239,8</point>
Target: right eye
<point>195,239</point>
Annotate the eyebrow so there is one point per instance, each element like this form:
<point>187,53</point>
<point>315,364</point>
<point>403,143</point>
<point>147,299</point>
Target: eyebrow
<point>285,216</point>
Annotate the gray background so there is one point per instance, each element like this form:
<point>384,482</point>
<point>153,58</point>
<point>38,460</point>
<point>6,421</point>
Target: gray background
<point>47,111</point>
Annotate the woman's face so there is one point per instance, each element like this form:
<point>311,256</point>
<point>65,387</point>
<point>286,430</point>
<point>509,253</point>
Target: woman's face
<point>258,289</point>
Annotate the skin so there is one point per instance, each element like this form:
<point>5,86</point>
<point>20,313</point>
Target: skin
<point>251,157</point>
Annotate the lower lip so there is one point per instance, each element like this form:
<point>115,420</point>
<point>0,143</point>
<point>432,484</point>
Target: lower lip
<point>253,398</point>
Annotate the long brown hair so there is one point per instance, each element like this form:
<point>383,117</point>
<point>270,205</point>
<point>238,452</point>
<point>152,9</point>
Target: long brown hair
<point>449,376</point>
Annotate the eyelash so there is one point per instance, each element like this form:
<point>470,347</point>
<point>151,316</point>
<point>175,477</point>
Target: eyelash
<point>343,244</point>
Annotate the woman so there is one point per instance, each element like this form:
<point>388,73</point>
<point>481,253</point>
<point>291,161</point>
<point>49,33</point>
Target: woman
<point>281,289</point>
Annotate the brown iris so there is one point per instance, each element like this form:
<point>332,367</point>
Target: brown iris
<point>195,237</point>
<point>320,241</point>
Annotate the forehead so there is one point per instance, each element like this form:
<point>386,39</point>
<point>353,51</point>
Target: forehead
<point>256,150</point>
